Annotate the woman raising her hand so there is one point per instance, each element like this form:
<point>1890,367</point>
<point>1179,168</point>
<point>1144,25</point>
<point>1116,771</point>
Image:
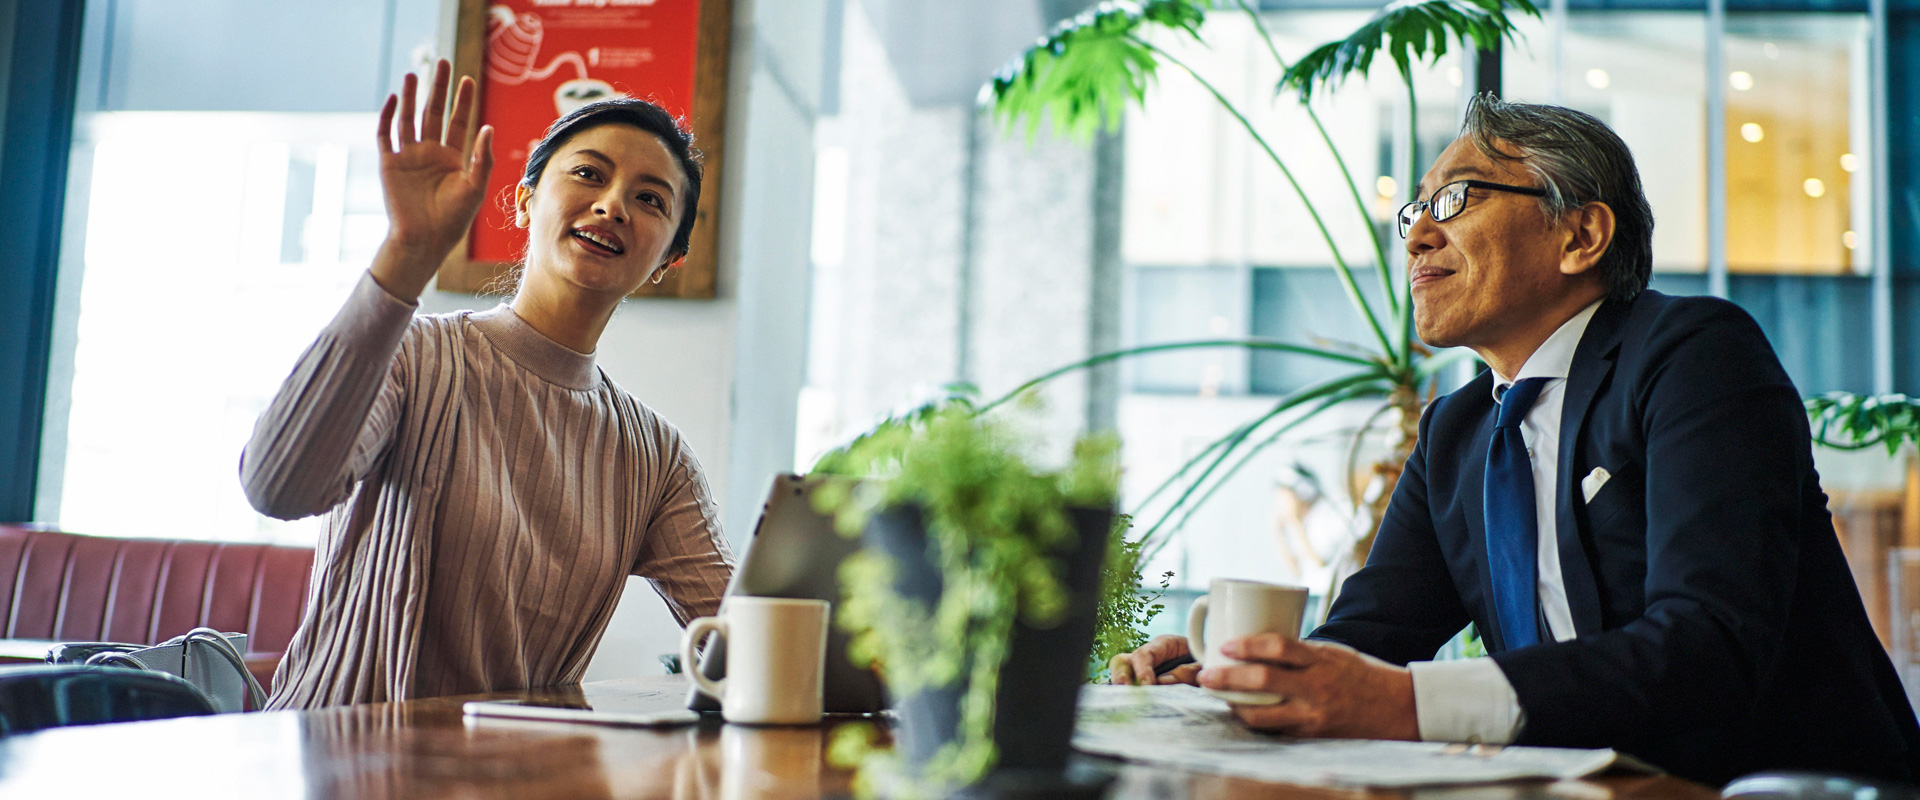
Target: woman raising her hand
<point>490,488</point>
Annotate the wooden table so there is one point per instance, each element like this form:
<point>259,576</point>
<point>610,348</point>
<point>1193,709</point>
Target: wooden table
<point>426,749</point>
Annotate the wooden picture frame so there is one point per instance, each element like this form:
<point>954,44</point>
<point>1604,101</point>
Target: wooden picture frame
<point>695,278</point>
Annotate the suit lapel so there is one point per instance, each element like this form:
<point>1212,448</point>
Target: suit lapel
<point>1592,363</point>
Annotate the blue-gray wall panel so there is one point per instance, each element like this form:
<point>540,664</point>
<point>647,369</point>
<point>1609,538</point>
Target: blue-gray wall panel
<point>1177,304</point>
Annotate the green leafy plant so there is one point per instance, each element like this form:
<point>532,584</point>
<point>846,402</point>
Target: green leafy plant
<point>1848,421</point>
<point>1081,77</point>
<point>1084,74</point>
<point>1124,611</point>
<point>996,528</point>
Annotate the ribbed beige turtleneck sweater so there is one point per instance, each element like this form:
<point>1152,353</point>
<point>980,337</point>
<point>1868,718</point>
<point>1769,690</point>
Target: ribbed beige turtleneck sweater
<point>491,491</point>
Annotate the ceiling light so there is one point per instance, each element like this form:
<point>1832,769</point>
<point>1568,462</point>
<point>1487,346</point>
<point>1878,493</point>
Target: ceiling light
<point>1385,185</point>
<point>1849,162</point>
<point>1598,78</point>
<point>1751,132</point>
<point>1851,241</point>
<point>1814,187</point>
<point>1741,80</point>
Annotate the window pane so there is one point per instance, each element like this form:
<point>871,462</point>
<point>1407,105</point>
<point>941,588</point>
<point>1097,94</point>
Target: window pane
<point>1797,186</point>
<point>224,195</point>
<point>209,263</point>
<point>1200,190</point>
<point>1641,73</point>
<point>1177,304</point>
<point>1796,216</point>
<point>1221,202</point>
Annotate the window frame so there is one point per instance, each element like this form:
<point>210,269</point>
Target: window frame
<point>41,83</point>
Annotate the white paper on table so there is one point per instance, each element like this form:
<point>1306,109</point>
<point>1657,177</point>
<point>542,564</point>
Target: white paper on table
<point>1185,728</point>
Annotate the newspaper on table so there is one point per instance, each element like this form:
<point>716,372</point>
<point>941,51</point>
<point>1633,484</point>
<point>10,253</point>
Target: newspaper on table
<point>1185,728</point>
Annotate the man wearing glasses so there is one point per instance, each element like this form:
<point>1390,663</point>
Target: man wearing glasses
<point>1624,505</point>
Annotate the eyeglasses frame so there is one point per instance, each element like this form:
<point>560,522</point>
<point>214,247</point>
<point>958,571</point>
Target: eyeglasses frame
<point>1427,204</point>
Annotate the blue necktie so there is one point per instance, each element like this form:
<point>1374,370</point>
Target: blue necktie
<point>1513,540</point>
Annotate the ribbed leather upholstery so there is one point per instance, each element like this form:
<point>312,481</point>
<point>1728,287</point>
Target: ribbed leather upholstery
<point>77,588</point>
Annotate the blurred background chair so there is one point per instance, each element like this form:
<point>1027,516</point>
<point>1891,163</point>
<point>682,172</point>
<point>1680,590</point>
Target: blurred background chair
<point>64,587</point>
<point>37,697</point>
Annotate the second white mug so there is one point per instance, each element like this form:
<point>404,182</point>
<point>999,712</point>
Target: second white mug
<point>776,657</point>
<point>1234,608</point>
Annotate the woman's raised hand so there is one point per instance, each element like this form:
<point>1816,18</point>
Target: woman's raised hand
<point>433,182</point>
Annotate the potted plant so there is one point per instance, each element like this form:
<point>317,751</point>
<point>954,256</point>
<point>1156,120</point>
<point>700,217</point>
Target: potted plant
<point>976,590</point>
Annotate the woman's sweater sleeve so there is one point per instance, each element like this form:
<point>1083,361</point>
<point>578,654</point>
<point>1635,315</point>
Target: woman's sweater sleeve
<point>335,413</point>
<point>685,553</point>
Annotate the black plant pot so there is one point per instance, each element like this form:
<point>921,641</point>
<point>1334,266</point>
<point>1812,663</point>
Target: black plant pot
<point>1039,692</point>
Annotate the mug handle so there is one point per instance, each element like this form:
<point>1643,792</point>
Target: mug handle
<point>690,659</point>
<point>1196,630</point>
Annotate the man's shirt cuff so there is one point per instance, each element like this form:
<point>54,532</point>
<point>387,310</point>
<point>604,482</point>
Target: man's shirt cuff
<point>1469,700</point>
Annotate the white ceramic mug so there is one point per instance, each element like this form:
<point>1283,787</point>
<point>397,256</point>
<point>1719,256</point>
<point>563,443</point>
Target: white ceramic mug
<point>776,655</point>
<point>1238,608</point>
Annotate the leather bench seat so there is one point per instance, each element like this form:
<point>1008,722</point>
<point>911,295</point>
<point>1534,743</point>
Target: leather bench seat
<point>73,588</point>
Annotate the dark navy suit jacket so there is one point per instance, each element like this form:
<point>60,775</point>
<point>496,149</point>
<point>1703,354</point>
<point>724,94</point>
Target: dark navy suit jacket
<point>1720,631</point>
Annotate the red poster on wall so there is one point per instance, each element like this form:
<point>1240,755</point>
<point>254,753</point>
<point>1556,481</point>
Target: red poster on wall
<point>545,58</point>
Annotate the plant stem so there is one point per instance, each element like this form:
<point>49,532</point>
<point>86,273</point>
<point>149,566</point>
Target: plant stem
<point>1250,343</point>
<point>1314,392</point>
<point>1239,435</point>
<point>1195,506</point>
<point>1413,137</point>
<point>1175,477</point>
<point>1406,334</point>
<point>1353,455</point>
<point>1413,189</point>
<point>1858,445</point>
<point>1345,272</point>
<point>1366,217</point>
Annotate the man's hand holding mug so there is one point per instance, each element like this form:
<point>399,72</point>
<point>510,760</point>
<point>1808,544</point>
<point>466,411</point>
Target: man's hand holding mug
<point>1250,654</point>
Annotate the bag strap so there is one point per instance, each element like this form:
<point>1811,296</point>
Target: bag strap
<point>112,658</point>
<point>232,655</point>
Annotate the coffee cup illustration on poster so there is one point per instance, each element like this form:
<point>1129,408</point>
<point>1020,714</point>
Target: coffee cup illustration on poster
<point>545,58</point>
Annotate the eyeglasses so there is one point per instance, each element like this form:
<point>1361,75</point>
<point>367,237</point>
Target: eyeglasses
<point>1448,201</point>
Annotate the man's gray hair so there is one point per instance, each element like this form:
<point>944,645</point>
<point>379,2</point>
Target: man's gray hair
<point>1578,160</point>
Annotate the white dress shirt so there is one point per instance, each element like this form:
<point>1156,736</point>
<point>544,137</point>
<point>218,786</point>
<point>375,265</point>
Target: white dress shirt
<point>1471,700</point>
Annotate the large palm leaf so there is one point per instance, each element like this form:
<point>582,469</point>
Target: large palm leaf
<point>1410,31</point>
<point>1086,71</point>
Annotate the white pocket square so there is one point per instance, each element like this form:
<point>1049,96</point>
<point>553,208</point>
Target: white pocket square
<point>1590,485</point>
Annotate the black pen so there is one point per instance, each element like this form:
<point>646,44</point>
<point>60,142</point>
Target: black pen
<point>1171,664</point>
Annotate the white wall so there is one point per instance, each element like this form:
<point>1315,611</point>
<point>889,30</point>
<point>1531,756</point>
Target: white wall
<point>727,371</point>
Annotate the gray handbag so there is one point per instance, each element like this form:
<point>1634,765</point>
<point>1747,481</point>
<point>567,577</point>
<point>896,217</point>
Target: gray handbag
<point>204,657</point>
